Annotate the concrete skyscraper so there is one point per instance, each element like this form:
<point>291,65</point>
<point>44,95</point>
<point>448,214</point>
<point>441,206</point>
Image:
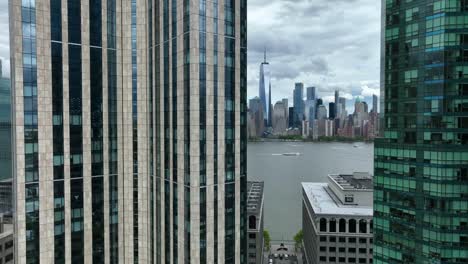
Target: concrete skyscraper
<point>421,163</point>
<point>129,130</point>
<point>264,88</point>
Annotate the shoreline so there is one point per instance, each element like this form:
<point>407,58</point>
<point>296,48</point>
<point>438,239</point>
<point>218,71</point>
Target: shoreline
<point>351,141</point>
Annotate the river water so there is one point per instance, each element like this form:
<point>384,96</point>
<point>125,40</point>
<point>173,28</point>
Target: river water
<point>283,176</point>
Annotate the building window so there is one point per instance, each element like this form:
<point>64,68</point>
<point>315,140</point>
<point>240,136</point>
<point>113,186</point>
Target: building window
<point>332,259</point>
<point>342,225</point>
<point>323,239</point>
<point>352,226</point>
<point>362,260</point>
<point>362,226</point>
<point>322,258</point>
<point>352,250</point>
<point>362,240</point>
<point>332,249</point>
<point>332,225</point>
<point>332,239</point>
<point>323,249</point>
<point>362,250</point>
<point>342,239</point>
<point>341,249</point>
<point>252,222</point>
<point>351,240</point>
<point>349,199</point>
<point>323,225</point>
<point>252,236</point>
<point>342,260</point>
<point>351,260</point>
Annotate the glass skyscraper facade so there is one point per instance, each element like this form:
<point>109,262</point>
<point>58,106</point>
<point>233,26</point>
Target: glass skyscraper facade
<point>129,130</point>
<point>421,162</point>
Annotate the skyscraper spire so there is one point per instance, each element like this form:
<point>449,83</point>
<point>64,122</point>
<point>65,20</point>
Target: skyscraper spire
<point>264,55</point>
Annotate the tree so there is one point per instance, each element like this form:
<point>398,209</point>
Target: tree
<point>298,239</point>
<point>267,239</point>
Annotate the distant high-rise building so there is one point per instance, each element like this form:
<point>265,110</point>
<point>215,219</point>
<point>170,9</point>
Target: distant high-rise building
<point>286,109</point>
<point>310,111</point>
<point>374,103</point>
<point>298,104</point>
<point>279,120</point>
<point>421,161</point>
<point>342,107</point>
<point>310,93</point>
<point>331,110</point>
<point>129,131</point>
<point>270,107</point>
<point>291,116</point>
<point>318,103</point>
<point>321,112</point>
<point>265,88</point>
<point>337,110</point>
<point>256,115</point>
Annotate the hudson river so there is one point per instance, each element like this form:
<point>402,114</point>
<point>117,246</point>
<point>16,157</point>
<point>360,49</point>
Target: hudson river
<point>283,176</point>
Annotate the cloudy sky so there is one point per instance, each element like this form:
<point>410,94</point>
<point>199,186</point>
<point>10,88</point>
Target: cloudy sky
<point>329,44</point>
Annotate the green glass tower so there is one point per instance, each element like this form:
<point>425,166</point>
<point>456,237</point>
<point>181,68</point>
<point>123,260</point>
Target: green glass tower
<point>421,161</point>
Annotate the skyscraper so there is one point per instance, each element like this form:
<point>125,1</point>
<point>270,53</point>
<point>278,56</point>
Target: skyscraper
<point>298,104</point>
<point>124,151</point>
<point>374,103</point>
<point>264,88</point>
<point>421,163</point>
<point>337,104</point>
<point>310,93</point>
<point>331,110</point>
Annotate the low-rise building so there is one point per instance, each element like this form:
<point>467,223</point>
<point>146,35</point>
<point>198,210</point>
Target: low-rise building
<point>255,243</point>
<point>337,219</point>
<point>6,242</point>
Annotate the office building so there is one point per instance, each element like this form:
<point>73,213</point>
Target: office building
<point>256,243</point>
<point>331,110</point>
<point>279,120</point>
<point>286,110</point>
<point>337,108</point>
<point>337,219</point>
<point>6,240</point>
<point>130,131</point>
<point>421,162</point>
<point>265,88</point>
<point>257,124</point>
<point>291,116</point>
<point>7,253</point>
<point>310,111</point>
<point>321,112</point>
<point>374,103</point>
<point>298,104</point>
<point>310,95</point>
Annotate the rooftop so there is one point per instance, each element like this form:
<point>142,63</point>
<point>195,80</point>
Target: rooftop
<point>254,197</point>
<point>355,181</point>
<point>323,202</point>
